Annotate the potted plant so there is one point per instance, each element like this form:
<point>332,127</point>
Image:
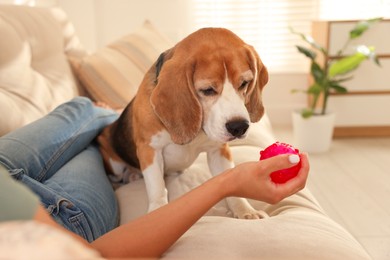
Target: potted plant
<point>327,78</point>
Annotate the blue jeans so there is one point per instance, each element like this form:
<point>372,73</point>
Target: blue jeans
<point>57,158</point>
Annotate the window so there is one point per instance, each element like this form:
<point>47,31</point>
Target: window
<point>353,10</point>
<point>265,23</point>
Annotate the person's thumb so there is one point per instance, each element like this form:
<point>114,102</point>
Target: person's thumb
<point>282,161</point>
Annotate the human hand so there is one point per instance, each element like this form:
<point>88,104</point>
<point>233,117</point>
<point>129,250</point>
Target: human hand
<point>252,179</point>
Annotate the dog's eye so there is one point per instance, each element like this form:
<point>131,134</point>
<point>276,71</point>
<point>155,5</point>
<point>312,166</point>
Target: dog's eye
<point>209,91</point>
<point>243,85</point>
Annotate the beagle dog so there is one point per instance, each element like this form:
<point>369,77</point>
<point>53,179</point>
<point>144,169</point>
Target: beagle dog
<point>197,96</point>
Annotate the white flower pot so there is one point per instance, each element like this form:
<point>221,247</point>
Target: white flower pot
<point>313,134</point>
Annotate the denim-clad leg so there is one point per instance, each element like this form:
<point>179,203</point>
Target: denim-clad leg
<point>55,156</point>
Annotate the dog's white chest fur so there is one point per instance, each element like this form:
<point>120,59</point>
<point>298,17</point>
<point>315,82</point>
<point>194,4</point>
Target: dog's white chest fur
<point>179,157</point>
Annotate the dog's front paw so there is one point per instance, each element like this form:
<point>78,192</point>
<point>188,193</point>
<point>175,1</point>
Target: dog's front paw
<point>252,214</point>
<point>243,210</point>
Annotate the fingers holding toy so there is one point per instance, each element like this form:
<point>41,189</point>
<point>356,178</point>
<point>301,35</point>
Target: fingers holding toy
<point>288,179</point>
<point>274,191</point>
<point>284,174</point>
<point>259,180</point>
<point>285,189</point>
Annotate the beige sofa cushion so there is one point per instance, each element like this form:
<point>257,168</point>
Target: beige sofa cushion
<point>112,74</point>
<point>35,75</point>
<point>297,227</point>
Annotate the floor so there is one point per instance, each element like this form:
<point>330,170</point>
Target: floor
<point>352,183</point>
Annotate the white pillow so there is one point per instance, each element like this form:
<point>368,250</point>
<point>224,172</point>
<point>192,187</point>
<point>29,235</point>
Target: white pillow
<point>34,240</point>
<point>35,76</point>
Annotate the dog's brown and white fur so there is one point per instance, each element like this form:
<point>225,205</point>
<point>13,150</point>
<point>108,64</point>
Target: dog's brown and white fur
<point>199,95</point>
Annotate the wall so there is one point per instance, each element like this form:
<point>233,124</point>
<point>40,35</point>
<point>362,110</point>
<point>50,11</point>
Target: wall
<point>278,100</point>
<point>82,14</point>
<point>98,22</point>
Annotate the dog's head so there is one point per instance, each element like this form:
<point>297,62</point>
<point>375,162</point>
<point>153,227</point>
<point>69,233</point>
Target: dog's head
<point>211,80</point>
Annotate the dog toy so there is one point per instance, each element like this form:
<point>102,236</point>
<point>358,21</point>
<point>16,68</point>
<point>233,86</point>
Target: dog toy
<point>281,176</point>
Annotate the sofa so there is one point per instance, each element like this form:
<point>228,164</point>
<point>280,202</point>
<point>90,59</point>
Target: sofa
<point>43,64</point>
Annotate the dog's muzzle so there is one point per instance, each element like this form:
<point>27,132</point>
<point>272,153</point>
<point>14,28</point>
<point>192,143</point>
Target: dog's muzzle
<point>237,128</point>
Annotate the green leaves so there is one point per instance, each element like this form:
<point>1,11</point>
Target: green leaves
<point>337,87</point>
<point>329,75</point>
<point>307,52</point>
<point>306,113</point>
<point>362,27</point>
<point>310,41</point>
<point>346,64</point>
<point>315,89</point>
<point>317,72</point>
<point>351,62</point>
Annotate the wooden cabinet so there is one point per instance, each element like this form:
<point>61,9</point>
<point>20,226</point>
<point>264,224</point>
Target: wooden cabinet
<point>365,109</point>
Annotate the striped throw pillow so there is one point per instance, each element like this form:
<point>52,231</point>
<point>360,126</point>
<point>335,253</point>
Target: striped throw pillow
<point>112,74</point>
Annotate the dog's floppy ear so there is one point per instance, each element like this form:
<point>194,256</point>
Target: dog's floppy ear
<point>174,99</point>
<point>253,101</point>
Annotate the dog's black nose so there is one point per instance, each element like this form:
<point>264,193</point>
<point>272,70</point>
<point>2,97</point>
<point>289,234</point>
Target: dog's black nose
<point>237,128</point>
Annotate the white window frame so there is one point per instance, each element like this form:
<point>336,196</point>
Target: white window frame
<point>265,23</point>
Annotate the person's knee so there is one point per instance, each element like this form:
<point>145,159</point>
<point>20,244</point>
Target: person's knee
<point>82,102</point>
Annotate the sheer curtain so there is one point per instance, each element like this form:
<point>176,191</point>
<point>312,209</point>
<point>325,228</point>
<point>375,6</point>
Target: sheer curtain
<point>30,2</point>
<point>353,9</point>
<point>265,23</point>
